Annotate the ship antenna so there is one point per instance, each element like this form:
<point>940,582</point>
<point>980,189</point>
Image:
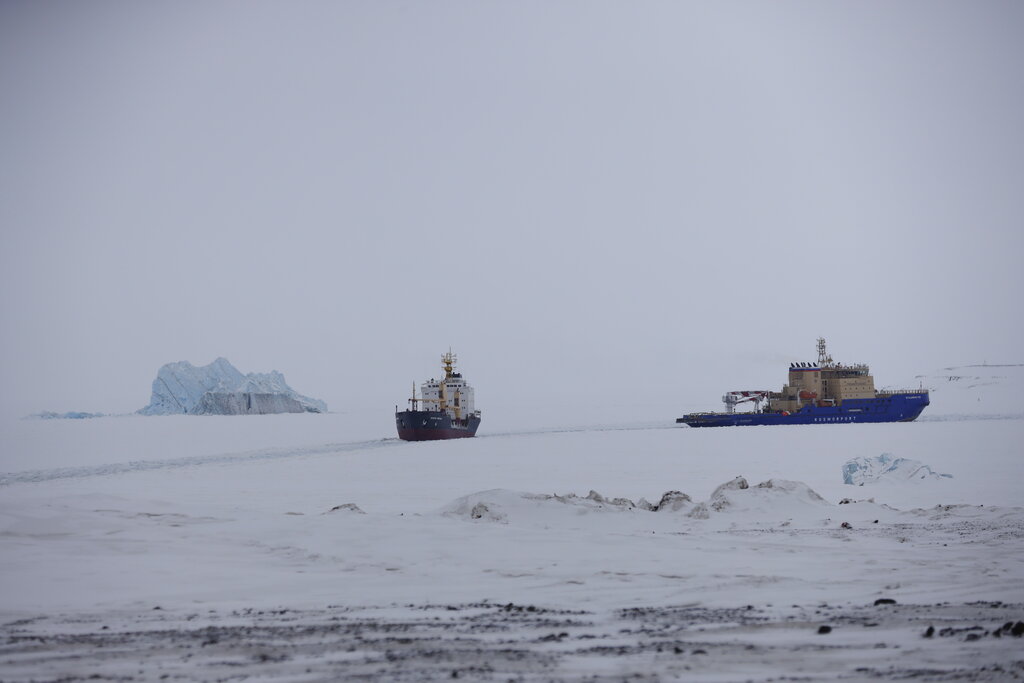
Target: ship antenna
<point>824,360</point>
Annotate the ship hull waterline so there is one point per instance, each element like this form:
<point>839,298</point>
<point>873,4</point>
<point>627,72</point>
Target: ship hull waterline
<point>904,407</point>
<point>433,425</point>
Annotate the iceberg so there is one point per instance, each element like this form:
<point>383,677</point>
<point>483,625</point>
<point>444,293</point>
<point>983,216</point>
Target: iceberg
<point>246,403</point>
<point>860,471</point>
<point>220,389</point>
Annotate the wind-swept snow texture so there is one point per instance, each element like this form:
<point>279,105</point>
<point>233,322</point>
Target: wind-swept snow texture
<point>860,471</point>
<point>532,557</point>
<point>220,389</point>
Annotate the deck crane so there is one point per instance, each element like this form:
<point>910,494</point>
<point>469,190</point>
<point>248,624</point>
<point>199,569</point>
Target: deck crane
<point>734,398</point>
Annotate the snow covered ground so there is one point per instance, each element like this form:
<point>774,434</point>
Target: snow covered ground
<point>318,547</point>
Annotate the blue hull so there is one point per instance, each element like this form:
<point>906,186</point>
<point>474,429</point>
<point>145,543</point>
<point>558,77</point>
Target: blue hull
<point>890,408</point>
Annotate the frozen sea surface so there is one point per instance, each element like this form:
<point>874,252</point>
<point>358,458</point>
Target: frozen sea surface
<point>211,548</point>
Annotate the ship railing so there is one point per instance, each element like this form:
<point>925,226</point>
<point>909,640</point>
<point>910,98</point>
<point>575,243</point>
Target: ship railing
<point>845,366</point>
<point>892,392</point>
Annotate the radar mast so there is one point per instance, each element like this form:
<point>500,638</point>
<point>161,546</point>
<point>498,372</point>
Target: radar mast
<point>824,360</point>
<point>448,360</point>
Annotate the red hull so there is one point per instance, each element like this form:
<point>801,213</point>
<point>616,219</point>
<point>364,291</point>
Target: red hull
<point>409,434</point>
<point>433,425</point>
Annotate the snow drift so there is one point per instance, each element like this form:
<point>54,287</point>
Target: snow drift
<point>220,389</point>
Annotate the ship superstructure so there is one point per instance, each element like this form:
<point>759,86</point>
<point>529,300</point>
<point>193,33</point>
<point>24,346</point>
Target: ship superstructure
<point>446,408</point>
<point>818,392</point>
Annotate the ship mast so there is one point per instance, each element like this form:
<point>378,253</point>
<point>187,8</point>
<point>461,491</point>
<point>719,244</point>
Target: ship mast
<point>824,360</point>
<point>448,360</point>
<point>442,392</point>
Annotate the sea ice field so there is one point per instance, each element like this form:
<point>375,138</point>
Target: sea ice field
<point>319,547</point>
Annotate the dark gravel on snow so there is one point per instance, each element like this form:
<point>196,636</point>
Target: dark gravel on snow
<point>509,642</point>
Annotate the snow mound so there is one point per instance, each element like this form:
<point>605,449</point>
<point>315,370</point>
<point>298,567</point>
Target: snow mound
<point>572,498</point>
<point>768,501</point>
<point>773,500</point>
<point>673,501</point>
<point>346,508</point>
<point>220,389</point>
<point>885,467</point>
<point>501,505</point>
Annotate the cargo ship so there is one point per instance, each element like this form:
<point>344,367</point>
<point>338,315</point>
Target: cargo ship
<point>448,410</point>
<point>824,392</point>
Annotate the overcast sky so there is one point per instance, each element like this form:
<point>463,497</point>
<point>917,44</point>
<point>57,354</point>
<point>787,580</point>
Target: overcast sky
<point>636,204</point>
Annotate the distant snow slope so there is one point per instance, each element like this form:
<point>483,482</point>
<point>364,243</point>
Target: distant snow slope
<point>219,388</point>
<point>978,389</point>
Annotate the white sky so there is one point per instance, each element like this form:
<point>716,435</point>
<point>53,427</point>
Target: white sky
<point>635,204</point>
